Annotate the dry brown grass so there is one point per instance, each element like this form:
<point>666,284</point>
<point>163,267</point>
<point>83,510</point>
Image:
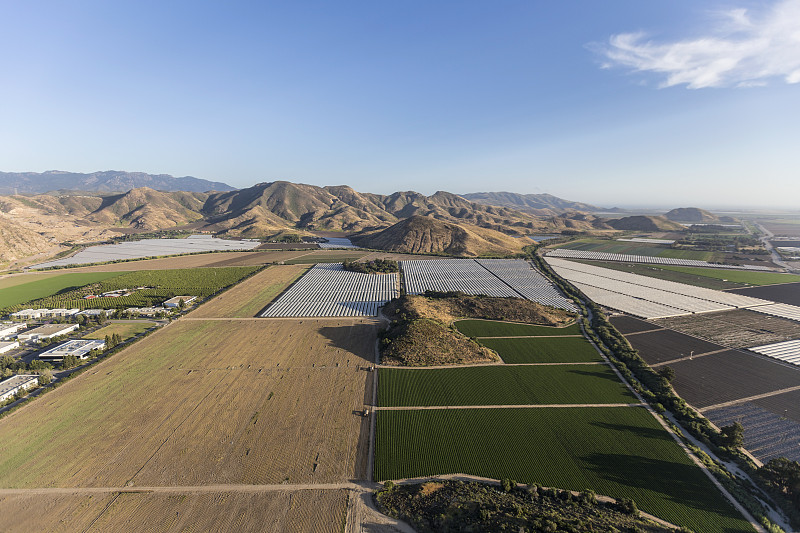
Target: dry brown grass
<point>311,510</point>
<point>204,402</point>
<point>446,310</point>
<point>253,294</point>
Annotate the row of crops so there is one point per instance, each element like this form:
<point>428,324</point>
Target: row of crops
<point>576,431</point>
<point>492,277</point>
<point>767,435</point>
<point>329,290</point>
<point>788,351</point>
<point>628,258</point>
<point>648,297</point>
<point>156,286</point>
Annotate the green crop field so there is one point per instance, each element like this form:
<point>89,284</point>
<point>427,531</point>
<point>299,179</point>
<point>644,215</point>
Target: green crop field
<point>619,452</point>
<point>736,276</point>
<point>501,385</point>
<point>162,284</point>
<point>543,349</point>
<point>638,248</point>
<point>41,287</point>
<point>494,328</point>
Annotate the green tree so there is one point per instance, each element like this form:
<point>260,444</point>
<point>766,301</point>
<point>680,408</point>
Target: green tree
<point>732,436</point>
<point>45,377</point>
<point>667,373</point>
<point>69,361</point>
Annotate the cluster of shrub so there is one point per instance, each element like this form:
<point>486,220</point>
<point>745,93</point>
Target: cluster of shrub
<point>472,506</point>
<point>779,478</point>
<point>382,266</point>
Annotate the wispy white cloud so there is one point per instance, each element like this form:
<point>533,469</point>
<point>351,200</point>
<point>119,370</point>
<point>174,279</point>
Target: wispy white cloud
<point>741,49</point>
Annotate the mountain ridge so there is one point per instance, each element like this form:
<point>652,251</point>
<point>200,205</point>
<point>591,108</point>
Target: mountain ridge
<point>102,181</point>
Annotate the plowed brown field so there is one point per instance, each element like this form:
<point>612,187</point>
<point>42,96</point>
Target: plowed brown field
<point>204,402</point>
<point>194,261</point>
<point>251,296</point>
<point>296,511</point>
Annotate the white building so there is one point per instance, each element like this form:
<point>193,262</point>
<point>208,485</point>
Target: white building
<point>28,314</point>
<point>62,312</point>
<point>12,385</point>
<point>147,311</point>
<point>7,329</point>
<point>80,348</point>
<point>97,312</point>
<point>176,301</point>
<point>8,346</point>
<point>47,331</point>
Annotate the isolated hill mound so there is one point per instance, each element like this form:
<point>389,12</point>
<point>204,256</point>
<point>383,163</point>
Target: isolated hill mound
<point>645,223</point>
<point>419,234</point>
<point>692,214</point>
<point>105,181</point>
<point>540,204</point>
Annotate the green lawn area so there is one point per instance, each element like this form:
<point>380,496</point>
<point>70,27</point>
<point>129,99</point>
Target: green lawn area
<point>619,452</point>
<point>47,286</point>
<point>495,328</point>
<point>543,349</point>
<point>501,385</point>
<point>125,330</point>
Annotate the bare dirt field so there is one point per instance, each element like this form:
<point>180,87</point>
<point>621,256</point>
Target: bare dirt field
<point>251,296</point>
<point>665,345</point>
<point>310,510</point>
<point>736,329</point>
<point>788,293</point>
<point>204,402</point>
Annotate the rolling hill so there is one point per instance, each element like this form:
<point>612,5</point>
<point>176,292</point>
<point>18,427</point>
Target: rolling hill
<point>104,181</point>
<point>645,223</point>
<point>540,204</point>
<point>422,234</point>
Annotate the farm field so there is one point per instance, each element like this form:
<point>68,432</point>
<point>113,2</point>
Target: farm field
<point>496,328</point>
<point>628,324</point>
<point>501,385</point>
<point>737,262</point>
<point>330,290</point>
<point>203,402</point>
<point>193,261</point>
<point>741,277</point>
<point>666,345</point>
<point>732,375</point>
<point>620,452</point>
<point>709,278</point>
<point>788,293</point>
<point>165,284</point>
<point>149,248</point>
<point>637,248</point>
<point>250,296</point>
<point>543,350</point>
<point>769,432</point>
<point>125,329</point>
<point>20,289</point>
<point>272,512</point>
<point>736,329</point>
<point>327,256</point>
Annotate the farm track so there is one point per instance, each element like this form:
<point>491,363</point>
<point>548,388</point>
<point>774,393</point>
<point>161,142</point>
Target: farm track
<point>688,358</point>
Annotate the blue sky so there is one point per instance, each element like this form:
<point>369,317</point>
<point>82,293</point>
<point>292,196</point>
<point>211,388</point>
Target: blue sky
<point>613,103</point>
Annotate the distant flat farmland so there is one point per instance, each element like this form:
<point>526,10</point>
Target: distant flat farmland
<point>203,402</point>
<point>193,261</point>
<point>251,296</point>
<point>20,289</point>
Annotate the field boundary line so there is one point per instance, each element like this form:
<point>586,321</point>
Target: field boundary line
<point>646,331</point>
<point>189,489</point>
<point>448,367</point>
<point>690,357</point>
<point>533,337</point>
<point>519,406</point>
<point>750,398</point>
